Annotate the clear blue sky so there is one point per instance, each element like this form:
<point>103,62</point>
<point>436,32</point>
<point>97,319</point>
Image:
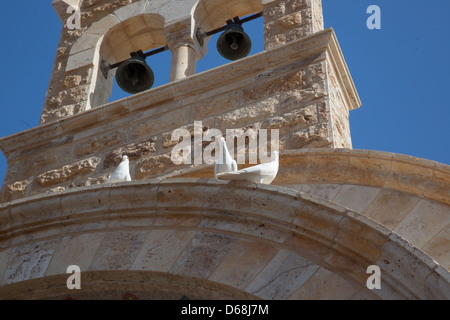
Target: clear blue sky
<point>401,72</point>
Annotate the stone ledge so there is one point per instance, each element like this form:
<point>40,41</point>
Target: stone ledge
<point>359,167</point>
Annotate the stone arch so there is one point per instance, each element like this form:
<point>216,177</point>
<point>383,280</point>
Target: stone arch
<point>212,14</point>
<point>200,229</point>
<point>111,40</point>
<point>115,284</point>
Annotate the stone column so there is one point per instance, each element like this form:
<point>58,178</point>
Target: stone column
<point>184,46</point>
<point>184,61</point>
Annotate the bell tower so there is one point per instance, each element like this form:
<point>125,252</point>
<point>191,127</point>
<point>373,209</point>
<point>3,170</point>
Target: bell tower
<point>299,85</point>
<point>174,230</point>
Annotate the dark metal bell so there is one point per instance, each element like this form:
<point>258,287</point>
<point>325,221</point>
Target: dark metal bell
<point>234,43</point>
<point>134,75</point>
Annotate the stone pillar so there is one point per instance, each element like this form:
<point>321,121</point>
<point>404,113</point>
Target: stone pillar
<point>184,46</point>
<point>184,61</point>
<point>289,20</point>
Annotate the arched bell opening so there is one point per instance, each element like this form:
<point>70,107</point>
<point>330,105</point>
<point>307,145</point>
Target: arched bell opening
<point>122,60</point>
<point>238,40</point>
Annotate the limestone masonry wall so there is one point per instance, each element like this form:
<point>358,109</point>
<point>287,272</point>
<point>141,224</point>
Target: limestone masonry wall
<point>283,88</point>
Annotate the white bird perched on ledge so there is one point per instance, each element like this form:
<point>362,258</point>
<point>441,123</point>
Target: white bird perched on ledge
<point>261,173</point>
<point>225,163</point>
<point>122,172</point>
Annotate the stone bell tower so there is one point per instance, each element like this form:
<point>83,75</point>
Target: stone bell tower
<point>174,230</point>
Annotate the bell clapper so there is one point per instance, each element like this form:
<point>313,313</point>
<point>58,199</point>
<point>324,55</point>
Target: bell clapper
<point>234,45</point>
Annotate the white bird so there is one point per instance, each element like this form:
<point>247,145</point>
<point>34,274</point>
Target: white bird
<point>122,172</point>
<point>225,163</point>
<point>261,173</point>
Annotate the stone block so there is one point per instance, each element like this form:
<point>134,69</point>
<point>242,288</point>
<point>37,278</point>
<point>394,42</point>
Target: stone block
<point>407,177</point>
<point>316,136</point>
<point>99,142</point>
<point>133,151</point>
<point>401,260</point>
<point>161,123</point>
<point>247,115</point>
<point>370,168</point>
<point>203,255</point>
<point>86,41</point>
<point>151,167</point>
<point>102,26</point>
<point>215,105</point>
<point>131,10</point>
<point>282,276</point>
<point>321,221</point>
<point>389,207</point>
<point>206,125</point>
<point>29,261</point>
<point>288,22</point>
<point>161,249</point>
<point>325,190</point>
<point>242,263</point>
<point>67,172</point>
<point>32,211</point>
<point>360,239</point>
<point>324,285</point>
<point>356,197</point>
<point>118,250</point>
<point>272,87</point>
<point>82,205</point>
<point>292,121</point>
<point>16,190</point>
<point>424,222</point>
<point>438,247</point>
<point>438,284</point>
<point>75,250</point>
<point>82,59</point>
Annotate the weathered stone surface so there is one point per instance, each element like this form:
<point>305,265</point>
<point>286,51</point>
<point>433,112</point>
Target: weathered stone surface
<point>291,96</point>
<point>67,172</point>
<point>206,125</point>
<point>324,285</point>
<point>75,250</point>
<point>317,136</point>
<point>242,263</point>
<point>29,261</point>
<point>170,241</point>
<point>99,143</point>
<point>153,166</point>
<point>287,21</point>
<point>270,87</point>
<point>420,230</point>
<point>356,197</point>
<point>390,207</point>
<point>438,247</point>
<point>203,255</point>
<point>61,112</point>
<point>216,105</point>
<point>118,250</point>
<point>295,120</point>
<point>89,182</point>
<point>287,272</point>
<point>133,151</point>
<point>161,249</point>
<point>161,123</point>
<point>247,115</point>
<point>17,190</point>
